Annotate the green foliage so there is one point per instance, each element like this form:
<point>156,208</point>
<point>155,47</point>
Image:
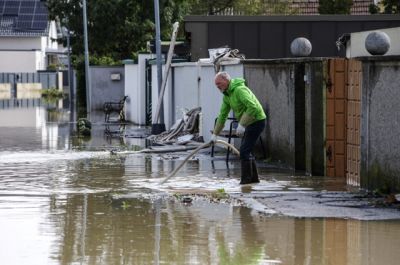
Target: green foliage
<point>386,7</point>
<point>391,6</point>
<point>240,255</point>
<point>84,127</point>
<point>210,7</point>
<point>240,7</point>
<point>373,9</point>
<point>52,93</point>
<point>335,6</point>
<point>220,194</point>
<point>125,205</point>
<point>53,67</point>
<point>118,28</point>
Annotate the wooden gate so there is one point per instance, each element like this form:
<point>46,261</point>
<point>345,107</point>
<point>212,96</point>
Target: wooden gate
<point>343,104</point>
<point>353,136</point>
<point>335,119</point>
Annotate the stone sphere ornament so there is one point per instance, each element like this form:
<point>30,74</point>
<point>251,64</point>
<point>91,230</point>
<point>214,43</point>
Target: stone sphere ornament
<point>377,43</point>
<point>300,47</point>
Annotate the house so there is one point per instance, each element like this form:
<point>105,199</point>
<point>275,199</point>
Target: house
<point>27,37</point>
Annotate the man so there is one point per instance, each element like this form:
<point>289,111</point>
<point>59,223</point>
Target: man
<point>250,114</point>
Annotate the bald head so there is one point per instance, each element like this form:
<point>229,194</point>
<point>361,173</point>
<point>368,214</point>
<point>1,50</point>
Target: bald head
<point>222,80</point>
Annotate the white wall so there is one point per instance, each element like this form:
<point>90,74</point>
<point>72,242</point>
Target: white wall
<point>23,117</point>
<point>210,97</point>
<point>20,61</point>
<point>16,53</point>
<point>20,43</point>
<point>135,89</point>
<point>167,99</point>
<point>186,91</point>
<point>193,87</point>
<point>22,54</point>
<point>132,108</point>
<point>356,46</point>
<point>51,42</point>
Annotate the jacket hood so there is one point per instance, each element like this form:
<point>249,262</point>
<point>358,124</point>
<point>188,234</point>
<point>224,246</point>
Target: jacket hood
<point>236,82</point>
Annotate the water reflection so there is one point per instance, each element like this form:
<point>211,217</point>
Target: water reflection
<point>91,229</point>
<point>58,206</point>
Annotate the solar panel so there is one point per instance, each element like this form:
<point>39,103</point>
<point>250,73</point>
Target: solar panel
<point>26,17</point>
<point>39,25</point>
<point>26,14</point>
<point>27,7</point>
<point>11,8</point>
<point>2,2</point>
<point>24,24</point>
<point>40,8</point>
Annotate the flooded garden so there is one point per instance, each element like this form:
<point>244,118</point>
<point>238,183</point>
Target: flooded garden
<point>66,199</point>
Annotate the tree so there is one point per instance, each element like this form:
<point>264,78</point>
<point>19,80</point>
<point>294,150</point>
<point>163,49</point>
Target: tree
<point>335,6</point>
<point>240,7</point>
<point>209,7</point>
<point>388,7</point>
<point>119,28</point>
<point>391,6</point>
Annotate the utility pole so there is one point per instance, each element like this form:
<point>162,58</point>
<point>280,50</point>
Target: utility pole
<point>87,74</point>
<point>158,125</point>
<point>70,80</point>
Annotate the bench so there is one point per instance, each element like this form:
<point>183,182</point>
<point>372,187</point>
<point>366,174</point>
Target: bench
<point>110,107</point>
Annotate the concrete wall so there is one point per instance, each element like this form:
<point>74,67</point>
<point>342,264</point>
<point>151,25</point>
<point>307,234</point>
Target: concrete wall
<point>380,124</point>
<point>291,92</point>
<point>294,133</point>
<point>273,83</point>
<point>103,88</point>
<point>315,113</point>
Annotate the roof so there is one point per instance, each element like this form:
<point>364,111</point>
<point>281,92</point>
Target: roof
<point>23,18</point>
<point>310,7</point>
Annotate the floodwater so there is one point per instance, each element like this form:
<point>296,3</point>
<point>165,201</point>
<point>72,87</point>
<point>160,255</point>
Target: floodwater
<point>67,200</point>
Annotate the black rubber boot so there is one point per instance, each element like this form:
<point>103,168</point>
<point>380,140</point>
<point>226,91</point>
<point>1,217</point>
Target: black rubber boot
<point>249,172</point>
<point>254,173</point>
<point>245,177</point>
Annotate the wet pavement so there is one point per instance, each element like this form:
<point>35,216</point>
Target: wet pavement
<point>69,200</point>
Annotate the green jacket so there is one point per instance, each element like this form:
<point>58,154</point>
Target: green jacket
<point>246,107</point>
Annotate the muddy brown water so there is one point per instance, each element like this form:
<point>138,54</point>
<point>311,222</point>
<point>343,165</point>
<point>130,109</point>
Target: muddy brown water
<point>58,206</point>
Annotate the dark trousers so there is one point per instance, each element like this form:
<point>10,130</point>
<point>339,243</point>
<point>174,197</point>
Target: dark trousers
<point>251,134</point>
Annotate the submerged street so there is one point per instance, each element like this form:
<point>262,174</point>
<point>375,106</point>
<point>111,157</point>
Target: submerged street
<point>69,200</point>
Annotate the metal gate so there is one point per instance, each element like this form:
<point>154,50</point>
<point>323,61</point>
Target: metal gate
<point>343,105</point>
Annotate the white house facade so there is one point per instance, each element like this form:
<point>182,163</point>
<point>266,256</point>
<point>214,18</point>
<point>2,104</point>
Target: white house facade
<point>27,38</point>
